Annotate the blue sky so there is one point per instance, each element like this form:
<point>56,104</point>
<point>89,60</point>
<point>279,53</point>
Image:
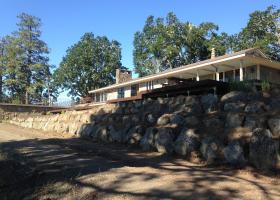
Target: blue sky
<point>65,21</point>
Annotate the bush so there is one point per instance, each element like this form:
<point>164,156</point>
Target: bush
<point>265,85</point>
<point>244,86</point>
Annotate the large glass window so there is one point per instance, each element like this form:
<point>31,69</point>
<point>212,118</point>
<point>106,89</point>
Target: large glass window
<point>134,89</point>
<point>120,92</point>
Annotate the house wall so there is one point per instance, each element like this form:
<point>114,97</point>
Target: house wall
<point>156,83</point>
<point>251,73</point>
<point>127,92</point>
<point>205,77</point>
<point>270,74</point>
<point>112,95</point>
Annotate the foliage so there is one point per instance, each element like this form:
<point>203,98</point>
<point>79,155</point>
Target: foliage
<point>262,31</point>
<point>169,43</point>
<point>265,85</point>
<point>88,64</point>
<point>25,62</point>
<point>245,86</point>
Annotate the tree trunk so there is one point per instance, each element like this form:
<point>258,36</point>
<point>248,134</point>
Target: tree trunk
<point>1,87</point>
<point>26,98</point>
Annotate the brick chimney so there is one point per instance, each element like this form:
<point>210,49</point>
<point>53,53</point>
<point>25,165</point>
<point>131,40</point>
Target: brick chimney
<point>213,53</point>
<point>123,75</point>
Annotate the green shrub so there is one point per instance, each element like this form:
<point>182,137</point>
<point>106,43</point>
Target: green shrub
<point>265,85</point>
<point>244,86</point>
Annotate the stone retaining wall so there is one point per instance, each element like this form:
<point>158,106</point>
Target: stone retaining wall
<point>8,111</point>
<point>237,128</point>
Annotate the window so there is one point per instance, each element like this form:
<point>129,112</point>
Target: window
<point>97,97</point>
<point>134,89</point>
<point>120,93</point>
<point>149,85</point>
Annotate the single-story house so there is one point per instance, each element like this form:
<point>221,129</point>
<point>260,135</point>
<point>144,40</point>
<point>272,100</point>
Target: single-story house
<point>249,64</point>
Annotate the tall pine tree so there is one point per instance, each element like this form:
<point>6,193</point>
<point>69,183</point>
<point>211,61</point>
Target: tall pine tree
<point>33,57</point>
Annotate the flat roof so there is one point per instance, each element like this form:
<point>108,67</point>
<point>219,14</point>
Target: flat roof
<point>252,54</point>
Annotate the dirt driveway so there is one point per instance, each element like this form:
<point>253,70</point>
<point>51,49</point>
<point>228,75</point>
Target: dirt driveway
<point>36,165</point>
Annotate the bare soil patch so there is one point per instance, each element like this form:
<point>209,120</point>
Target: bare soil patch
<point>37,165</point>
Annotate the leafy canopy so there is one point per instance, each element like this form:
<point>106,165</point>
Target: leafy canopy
<point>170,43</point>
<point>88,64</point>
<point>25,61</point>
<point>262,31</point>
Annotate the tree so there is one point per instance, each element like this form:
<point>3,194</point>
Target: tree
<point>33,57</point>
<point>88,64</point>
<point>2,66</point>
<point>14,78</point>
<point>262,31</point>
<point>169,43</point>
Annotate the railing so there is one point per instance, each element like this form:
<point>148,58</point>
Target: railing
<point>66,104</point>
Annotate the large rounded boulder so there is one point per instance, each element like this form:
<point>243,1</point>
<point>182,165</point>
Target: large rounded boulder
<point>187,142</point>
<point>211,149</point>
<point>164,119</point>
<point>234,154</point>
<point>135,135</point>
<point>264,150</point>
<point>209,103</point>
<point>164,140</point>
<point>148,140</point>
<point>274,126</point>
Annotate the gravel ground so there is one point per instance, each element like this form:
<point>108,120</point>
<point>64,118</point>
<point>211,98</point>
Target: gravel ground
<point>39,165</point>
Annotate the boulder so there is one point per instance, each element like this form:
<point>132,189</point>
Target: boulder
<point>255,107</point>
<point>85,130</point>
<point>213,122</point>
<point>275,104</point>
<point>274,126</point>
<point>234,106</point>
<point>241,134</point>
<point>191,121</point>
<point>234,120</point>
<point>275,92</point>
<point>164,140</point>
<point>180,99</point>
<point>116,135</point>
<point>264,150</point>
<point>234,96</point>
<point>187,142</point>
<point>211,149</point>
<point>148,141</point>
<point>233,153</point>
<point>191,100</point>
<point>151,118</point>
<point>135,119</point>
<point>177,120</point>
<point>164,119</point>
<point>253,122</point>
<point>102,134</point>
<point>135,134</point>
<point>209,103</point>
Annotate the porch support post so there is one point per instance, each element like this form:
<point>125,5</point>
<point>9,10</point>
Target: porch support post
<point>217,76</point>
<point>197,76</point>
<point>241,71</point>
<point>224,77</point>
<point>258,72</point>
<point>234,74</point>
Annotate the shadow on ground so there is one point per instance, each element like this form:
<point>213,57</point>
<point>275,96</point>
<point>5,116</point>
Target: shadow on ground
<point>78,169</point>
